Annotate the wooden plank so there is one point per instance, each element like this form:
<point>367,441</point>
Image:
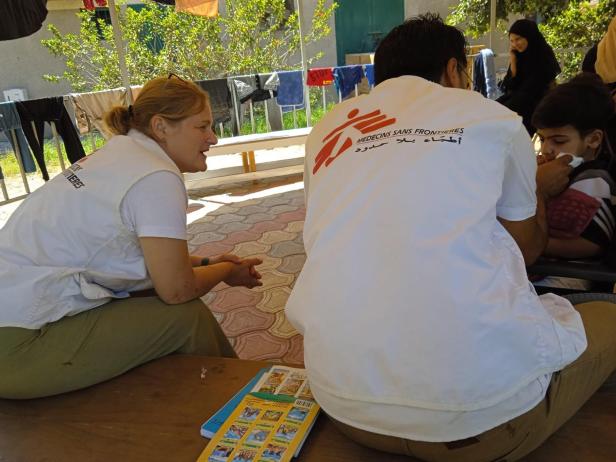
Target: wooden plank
<point>154,413</point>
<point>252,161</point>
<point>195,183</point>
<point>151,414</point>
<point>246,143</point>
<point>245,162</point>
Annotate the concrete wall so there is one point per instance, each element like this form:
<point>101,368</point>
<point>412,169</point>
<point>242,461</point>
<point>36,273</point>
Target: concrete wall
<point>415,7</point>
<point>327,45</point>
<point>25,60</point>
<point>443,7</point>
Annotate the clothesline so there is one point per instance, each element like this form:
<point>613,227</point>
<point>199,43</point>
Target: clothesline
<point>280,91</point>
<point>230,96</point>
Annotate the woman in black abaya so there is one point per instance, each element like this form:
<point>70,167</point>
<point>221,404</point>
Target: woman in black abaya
<point>532,69</point>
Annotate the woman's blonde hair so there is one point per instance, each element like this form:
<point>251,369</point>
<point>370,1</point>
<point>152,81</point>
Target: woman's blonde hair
<point>171,98</point>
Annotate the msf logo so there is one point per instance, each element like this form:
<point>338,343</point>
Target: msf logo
<point>366,123</point>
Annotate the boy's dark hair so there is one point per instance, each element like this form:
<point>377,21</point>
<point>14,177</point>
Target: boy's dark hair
<point>420,46</point>
<point>584,103</point>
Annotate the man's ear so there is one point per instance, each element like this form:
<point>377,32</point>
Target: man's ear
<point>451,76</point>
<point>594,139</point>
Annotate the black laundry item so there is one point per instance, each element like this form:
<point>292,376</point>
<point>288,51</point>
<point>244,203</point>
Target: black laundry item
<point>44,110</point>
<point>274,115</point>
<point>259,93</point>
<point>20,18</point>
<point>10,124</point>
<point>247,88</point>
<point>220,99</point>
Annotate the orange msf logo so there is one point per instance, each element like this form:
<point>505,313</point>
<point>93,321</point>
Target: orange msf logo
<point>364,123</point>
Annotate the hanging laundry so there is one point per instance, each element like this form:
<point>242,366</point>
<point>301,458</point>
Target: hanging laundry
<point>243,87</point>
<point>20,18</point>
<point>48,110</point>
<point>198,7</point>
<point>346,77</point>
<point>249,88</point>
<point>291,89</point>
<point>320,77</point>
<point>10,124</point>
<point>90,108</point>
<point>240,87</point>
<point>92,4</point>
<point>489,70</point>
<point>479,78</point>
<point>271,82</point>
<point>369,71</point>
<point>220,99</point>
<point>484,74</point>
<point>260,93</point>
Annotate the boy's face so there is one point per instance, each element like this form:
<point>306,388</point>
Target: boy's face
<point>567,139</point>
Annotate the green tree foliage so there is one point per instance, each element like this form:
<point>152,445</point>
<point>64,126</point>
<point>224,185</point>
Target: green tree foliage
<point>251,36</point>
<point>474,15</point>
<point>575,29</point>
<point>570,26</point>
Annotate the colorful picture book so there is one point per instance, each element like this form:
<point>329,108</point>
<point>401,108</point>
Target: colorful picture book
<point>213,424</point>
<point>270,423</point>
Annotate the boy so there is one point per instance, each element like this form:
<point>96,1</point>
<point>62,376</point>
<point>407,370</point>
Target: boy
<point>571,119</point>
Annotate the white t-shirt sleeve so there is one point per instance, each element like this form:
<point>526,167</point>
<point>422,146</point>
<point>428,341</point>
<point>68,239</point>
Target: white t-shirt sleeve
<point>518,199</point>
<point>155,206</point>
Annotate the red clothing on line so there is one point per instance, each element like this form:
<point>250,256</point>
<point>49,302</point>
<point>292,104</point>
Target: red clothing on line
<point>320,77</point>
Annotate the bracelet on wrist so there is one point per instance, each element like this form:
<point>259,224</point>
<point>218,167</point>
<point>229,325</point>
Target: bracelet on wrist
<point>205,261</point>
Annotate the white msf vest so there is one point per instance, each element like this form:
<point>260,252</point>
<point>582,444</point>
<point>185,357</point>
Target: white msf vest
<point>65,249</point>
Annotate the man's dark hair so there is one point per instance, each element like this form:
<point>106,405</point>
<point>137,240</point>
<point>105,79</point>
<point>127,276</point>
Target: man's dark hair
<point>584,103</point>
<point>420,46</point>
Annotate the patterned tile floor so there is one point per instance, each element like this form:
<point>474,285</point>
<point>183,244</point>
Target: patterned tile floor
<point>264,221</point>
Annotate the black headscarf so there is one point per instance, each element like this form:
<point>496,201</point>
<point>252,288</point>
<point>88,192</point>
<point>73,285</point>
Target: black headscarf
<point>538,56</point>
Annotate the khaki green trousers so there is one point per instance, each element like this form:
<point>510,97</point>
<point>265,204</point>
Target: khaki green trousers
<point>569,389</point>
<point>96,345</point>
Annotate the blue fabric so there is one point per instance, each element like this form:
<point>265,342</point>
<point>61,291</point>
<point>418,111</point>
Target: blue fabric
<point>24,150</point>
<point>489,70</point>
<point>346,77</point>
<point>9,120</point>
<point>479,78</point>
<point>369,71</point>
<point>291,88</point>
<point>484,74</point>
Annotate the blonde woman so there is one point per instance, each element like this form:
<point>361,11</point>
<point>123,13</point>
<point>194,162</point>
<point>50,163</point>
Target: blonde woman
<point>109,226</point>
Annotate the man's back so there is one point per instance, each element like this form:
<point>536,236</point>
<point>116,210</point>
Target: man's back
<point>413,294</point>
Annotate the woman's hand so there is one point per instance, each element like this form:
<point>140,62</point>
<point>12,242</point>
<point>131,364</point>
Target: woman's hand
<point>177,277</point>
<point>225,257</point>
<point>513,61</point>
<point>245,274</point>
